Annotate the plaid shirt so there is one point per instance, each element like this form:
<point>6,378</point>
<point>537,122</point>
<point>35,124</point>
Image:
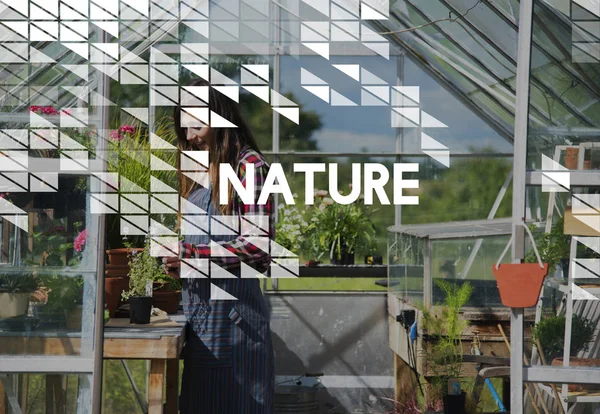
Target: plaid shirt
<point>242,246</point>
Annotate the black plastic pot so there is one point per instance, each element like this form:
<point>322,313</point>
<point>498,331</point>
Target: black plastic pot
<point>140,309</point>
<point>455,404</point>
<point>346,258</point>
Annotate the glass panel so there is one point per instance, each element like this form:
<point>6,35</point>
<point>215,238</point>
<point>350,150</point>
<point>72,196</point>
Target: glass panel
<point>465,191</point>
<point>45,393</point>
<point>565,86</point>
<point>340,124</point>
<point>291,231</point>
<point>406,271</point>
<point>473,80</point>
<point>468,260</point>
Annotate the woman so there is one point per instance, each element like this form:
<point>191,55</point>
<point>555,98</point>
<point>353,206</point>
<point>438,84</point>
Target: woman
<point>228,356</point>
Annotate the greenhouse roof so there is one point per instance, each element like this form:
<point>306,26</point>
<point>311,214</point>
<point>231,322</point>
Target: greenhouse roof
<point>457,229</point>
<point>471,47</point>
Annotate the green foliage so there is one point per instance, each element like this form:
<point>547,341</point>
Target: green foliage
<point>465,191</point>
<point>144,268</point>
<point>64,292</point>
<point>552,246</point>
<point>24,283</point>
<point>291,230</point>
<point>166,280</point>
<point>551,333</point>
<point>445,328</point>
<point>335,226</point>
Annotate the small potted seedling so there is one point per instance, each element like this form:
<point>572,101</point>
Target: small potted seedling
<point>143,270</point>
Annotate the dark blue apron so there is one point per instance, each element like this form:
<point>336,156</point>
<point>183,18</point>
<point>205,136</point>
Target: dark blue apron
<point>228,355</point>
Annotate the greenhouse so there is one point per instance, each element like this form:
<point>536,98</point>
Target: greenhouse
<point>427,238</point>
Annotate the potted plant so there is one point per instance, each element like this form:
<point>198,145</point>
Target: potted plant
<point>554,248</point>
<point>342,229</point>
<point>15,291</point>
<point>65,299</point>
<point>443,328</point>
<point>166,293</point>
<point>551,333</point>
<point>144,269</point>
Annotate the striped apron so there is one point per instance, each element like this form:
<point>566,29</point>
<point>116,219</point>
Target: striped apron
<point>228,355</point>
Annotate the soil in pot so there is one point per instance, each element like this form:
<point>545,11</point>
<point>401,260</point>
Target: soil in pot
<point>13,304</point>
<point>167,300</point>
<point>113,287</point>
<point>580,362</point>
<point>140,309</point>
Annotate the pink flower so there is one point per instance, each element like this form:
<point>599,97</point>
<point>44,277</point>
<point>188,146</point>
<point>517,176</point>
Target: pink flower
<point>49,110</point>
<point>79,242</point>
<point>127,129</point>
<point>321,193</point>
<point>115,136</point>
<point>35,108</point>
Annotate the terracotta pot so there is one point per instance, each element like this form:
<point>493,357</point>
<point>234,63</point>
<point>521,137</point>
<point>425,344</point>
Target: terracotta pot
<point>116,271</point>
<point>580,362</point>
<point>520,283</point>
<point>167,300</point>
<point>113,287</point>
<point>571,155</point>
<point>120,257</point>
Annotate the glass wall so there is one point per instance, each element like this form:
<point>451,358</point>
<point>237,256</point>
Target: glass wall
<point>50,132</point>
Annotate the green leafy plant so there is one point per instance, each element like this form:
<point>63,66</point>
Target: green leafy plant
<point>551,333</point>
<point>335,227</point>
<point>24,283</point>
<point>64,292</point>
<point>444,328</point>
<point>144,269</point>
<point>553,246</point>
<point>165,280</point>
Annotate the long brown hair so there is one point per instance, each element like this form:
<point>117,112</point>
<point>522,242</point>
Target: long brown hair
<point>225,147</point>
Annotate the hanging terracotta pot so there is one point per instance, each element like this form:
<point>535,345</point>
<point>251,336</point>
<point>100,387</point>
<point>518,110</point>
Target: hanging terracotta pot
<point>520,284</point>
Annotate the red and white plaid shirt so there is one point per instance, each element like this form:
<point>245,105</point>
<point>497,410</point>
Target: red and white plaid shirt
<point>242,246</point>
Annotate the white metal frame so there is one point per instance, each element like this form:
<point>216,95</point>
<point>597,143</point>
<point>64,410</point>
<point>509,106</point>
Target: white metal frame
<point>545,374</point>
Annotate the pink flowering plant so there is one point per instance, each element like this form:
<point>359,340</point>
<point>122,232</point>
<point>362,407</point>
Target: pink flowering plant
<point>83,136</point>
<point>51,242</point>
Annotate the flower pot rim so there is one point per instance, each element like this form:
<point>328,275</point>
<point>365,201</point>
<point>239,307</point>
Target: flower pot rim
<point>123,250</point>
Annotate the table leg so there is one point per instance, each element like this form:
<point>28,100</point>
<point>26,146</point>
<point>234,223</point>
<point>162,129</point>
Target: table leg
<point>3,402</point>
<point>156,388</point>
<point>172,405</point>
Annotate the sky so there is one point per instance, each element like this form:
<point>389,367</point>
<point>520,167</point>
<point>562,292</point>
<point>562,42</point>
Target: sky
<point>350,129</point>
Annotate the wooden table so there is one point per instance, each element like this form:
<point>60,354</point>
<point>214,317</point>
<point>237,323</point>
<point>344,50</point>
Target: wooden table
<point>159,342</point>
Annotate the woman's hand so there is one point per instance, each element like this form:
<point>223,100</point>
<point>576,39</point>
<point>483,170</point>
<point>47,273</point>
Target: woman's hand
<point>171,266</point>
